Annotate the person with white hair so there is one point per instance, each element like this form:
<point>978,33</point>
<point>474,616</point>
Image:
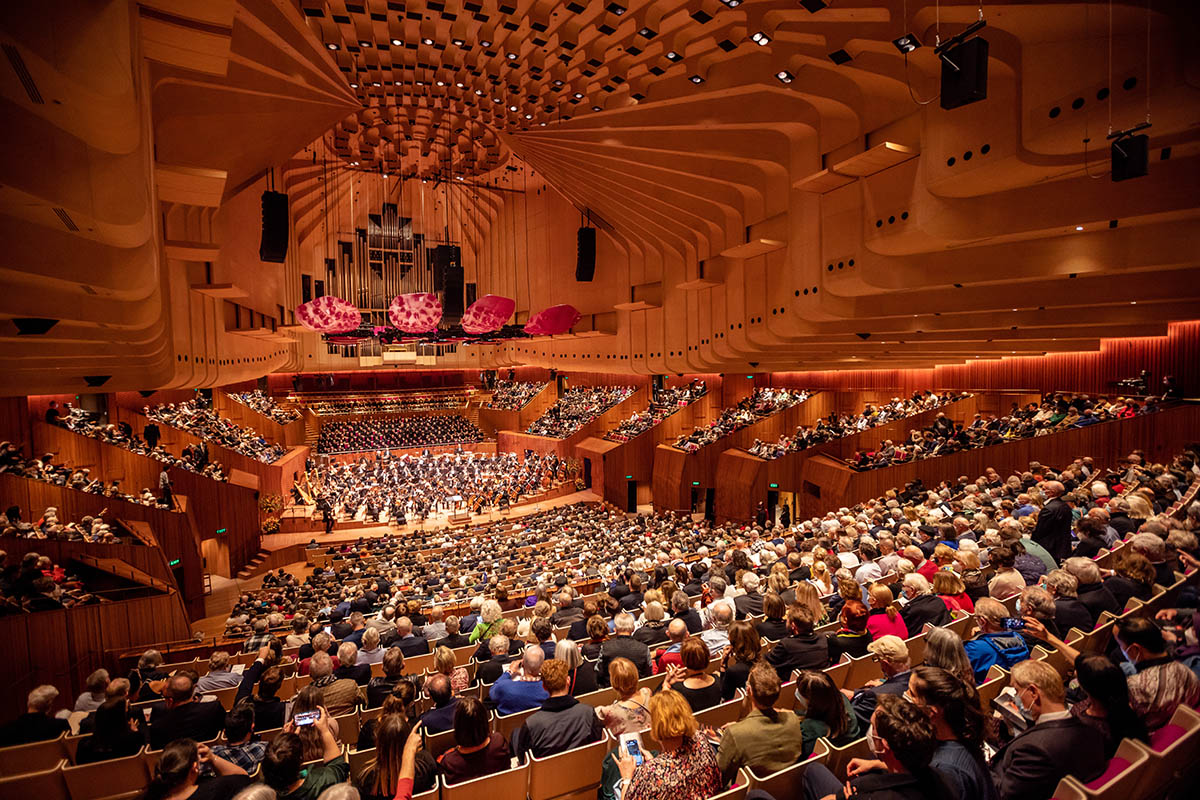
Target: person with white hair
<point>36,724</point>
<point>1054,521</point>
<point>96,692</point>
<point>622,645</point>
<point>721,614</point>
<point>750,603</point>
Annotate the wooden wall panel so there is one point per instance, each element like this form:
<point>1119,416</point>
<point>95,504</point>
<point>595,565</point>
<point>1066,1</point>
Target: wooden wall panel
<point>280,383</point>
<point>14,422</point>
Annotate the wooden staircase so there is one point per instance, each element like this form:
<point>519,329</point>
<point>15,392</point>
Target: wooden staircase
<point>254,566</point>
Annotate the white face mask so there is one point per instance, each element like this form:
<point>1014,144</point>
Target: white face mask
<point>874,741</point>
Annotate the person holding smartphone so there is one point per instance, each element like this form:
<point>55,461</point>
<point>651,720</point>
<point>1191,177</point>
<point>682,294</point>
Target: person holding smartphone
<point>686,765</point>
<point>999,641</point>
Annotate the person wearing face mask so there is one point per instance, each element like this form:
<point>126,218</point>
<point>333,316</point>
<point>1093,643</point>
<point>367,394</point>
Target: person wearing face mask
<point>892,654</point>
<point>903,743</point>
<point>1158,683</point>
<point>1055,745</point>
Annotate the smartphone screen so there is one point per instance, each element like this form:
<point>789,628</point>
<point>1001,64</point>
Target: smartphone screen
<point>307,717</point>
<point>1013,623</point>
<point>631,745</point>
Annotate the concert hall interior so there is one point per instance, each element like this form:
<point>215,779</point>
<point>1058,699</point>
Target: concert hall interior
<point>571,399</point>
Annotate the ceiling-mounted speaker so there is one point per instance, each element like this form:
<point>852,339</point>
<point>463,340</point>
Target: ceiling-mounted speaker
<point>863,336</point>
<point>585,260</point>
<point>1130,157</point>
<point>146,392</point>
<point>964,73</point>
<point>273,245</point>
<point>96,380</point>
<point>33,326</point>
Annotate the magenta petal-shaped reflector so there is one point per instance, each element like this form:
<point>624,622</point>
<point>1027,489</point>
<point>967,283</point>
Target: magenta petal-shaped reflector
<point>418,312</point>
<point>553,321</point>
<point>488,313</point>
<point>329,314</point>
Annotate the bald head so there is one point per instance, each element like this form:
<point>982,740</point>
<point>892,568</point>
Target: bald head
<point>1053,489</point>
<point>677,630</point>
<point>531,660</point>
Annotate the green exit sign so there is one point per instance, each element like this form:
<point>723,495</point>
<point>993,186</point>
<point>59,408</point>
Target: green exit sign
<point>773,485</point>
<point>628,477</point>
<point>221,530</point>
<point>695,483</point>
<point>173,562</point>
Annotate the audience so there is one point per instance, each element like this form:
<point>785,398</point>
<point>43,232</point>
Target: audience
<point>513,395</point>
<point>664,403</point>
<point>765,740</point>
<point>685,767</point>
<point>760,404</point>
<point>577,407</point>
<point>561,724</point>
<point>350,436</point>
<point>204,423</point>
<point>266,405</point>
<point>477,750</point>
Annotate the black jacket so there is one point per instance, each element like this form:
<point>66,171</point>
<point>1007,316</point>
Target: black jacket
<point>563,723</point>
<point>691,618</point>
<point>1031,765</point>
<point>799,652</point>
<point>1053,529</point>
<point>748,605</point>
<point>926,608</point>
<point>622,647</point>
<point>865,700</point>
<point>192,720</point>
<point>378,689</point>
<point>881,785</point>
<point>412,646</point>
<point>652,633</point>
<point>1070,613</point>
<point>582,680</point>
<point>490,670</point>
<point>1097,599</point>
<point>454,640</point>
<point>359,673</point>
<point>578,631</point>
<point>774,629</point>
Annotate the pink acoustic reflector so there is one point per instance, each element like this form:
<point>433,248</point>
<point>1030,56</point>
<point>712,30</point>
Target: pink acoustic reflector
<point>488,313</point>
<point>418,312</point>
<point>329,314</point>
<point>553,321</point>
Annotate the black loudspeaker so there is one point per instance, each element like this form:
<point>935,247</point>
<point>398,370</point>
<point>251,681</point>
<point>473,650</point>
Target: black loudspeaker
<point>448,279</point>
<point>964,73</point>
<point>274,243</point>
<point>585,262</point>
<point>37,326</point>
<point>1130,157</point>
<point>96,380</point>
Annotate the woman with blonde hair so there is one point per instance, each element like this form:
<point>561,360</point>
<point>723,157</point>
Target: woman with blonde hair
<point>490,617</point>
<point>821,579</point>
<point>443,662</point>
<point>883,619</point>
<point>631,711</point>
<point>953,592</point>
<point>807,596</point>
<point>686,765</point>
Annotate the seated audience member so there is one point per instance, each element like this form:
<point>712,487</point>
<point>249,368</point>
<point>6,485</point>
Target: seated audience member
<point>653,630</point>
<point>581,678</point>
<point>268,708</point>
<point>399,703</point>
<point>370,651</point>
<point>520,686</point>
<point>668,656</point>
<point>765,739</point>
<point>1133,576</point>
<point>1055,745</point>
<point>96,692</point>
<point>883,619</point>
<point>380,687</point>
<point>410,644</point>
<point>113,734</point>
<point>321,643</point>
<point>824,711</point>
<point>773,625</point>
<point>239,747</point>
<point>339,695</point>
<point>903,741</point>
<point>631,711</point>
<point>952,591</point>
<point>749,604</point>
<point>300,635</point>
<point>1106,706</point>
<point>801,648</point>
<point>1068,611</point>
<point>621,645</point>
<point>692,680</point>
<point>542,630</point>
<point>262,636</point>
<point>177,774</point>
<point>1007,581</point>
<point>745,649</point>
<point>597,635</point>
<point>478,750</point>
<point>220,674</point>
<point>454,638</point>
<point>443,663</point>
<point>184,716</point>
<point>562,723</point>
<point>681,608</point>
<point>892,654</point>
<point>441,717</point>
<point>923,607</point>
<point>350,667</point>
<point>283,765</point>
<point>1091,591</point>
<point>146,676</point>
<point>994,644</point>
<point>685,767</point>
<point>434,628</point>
<point>489,671</point>
<point>958,725</point>
<point>852,637</point>
<point>944,648</point>
<point>1158,684</point>
<point>398,757</point>
<point>716,636</point>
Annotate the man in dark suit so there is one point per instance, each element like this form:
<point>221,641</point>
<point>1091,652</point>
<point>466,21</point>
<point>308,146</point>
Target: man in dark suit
<point>393,672</point>
<point>681,608</point>
<point>622,645</point>
<point>578,631</point>
<point>410,645</point>
<point>441,717</point>
<point>892,653</point>
<point>183,716</point>
<point>1057,744</point>
<point>453,638</point>
<point>348,666</point>
<point>802,648</point>
<point>633,600</point>
<point>489,670</point>
<point>749,604</point>
<point>1053,529</point>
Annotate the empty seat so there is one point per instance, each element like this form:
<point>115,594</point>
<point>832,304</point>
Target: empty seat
<point>1173,750</point>
<point>118,777</point>
<point>507,723</point>
<point>47,784</point>
<point>508,784</point>
<point>1120,777</point>
<point>358,761</point>
<point>839,757</point>
<point>724,713</point>
<point>32,757</point>
<point>571,772</point>
<point>789,781</point>
<point>348,728</point>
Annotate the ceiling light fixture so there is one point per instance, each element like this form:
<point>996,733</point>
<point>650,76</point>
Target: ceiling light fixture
<point>479,92</point>
<point>696,79</point>
<point>529,116</point>
<point>616,8</point>
<point>579,95</point>
<point>512,108</point>
<point>732,3</point>
<point>441,83</point>
<point>673,56</point>
<point>459,84</point>
<point>649,33</point>
<point>784,76</point>
<point>907,43</point>
<point>427,40</point>
<point>397,43</point>
<point>596,108</point>
<point>458,42</point>
<point>760,39</point>
<point>331,45</point>
<point>511,56</point>
<point>363,43</point>
<point>1078,227</point>
<point>354,86</point>
<point>484,43</point>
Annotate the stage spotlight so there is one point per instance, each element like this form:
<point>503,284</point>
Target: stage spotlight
<point>907,43</point>
<point>673,56</point>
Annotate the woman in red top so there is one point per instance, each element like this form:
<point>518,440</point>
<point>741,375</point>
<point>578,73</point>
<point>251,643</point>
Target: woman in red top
<point>948,586</point>
<point>883,619</point>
